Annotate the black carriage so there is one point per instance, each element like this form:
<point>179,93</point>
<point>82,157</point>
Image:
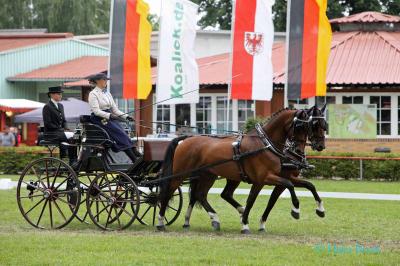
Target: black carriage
<point>106,187</point>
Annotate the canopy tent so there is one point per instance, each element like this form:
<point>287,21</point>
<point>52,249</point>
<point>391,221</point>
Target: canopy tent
<point>73,109</point>
<point>18,105</point>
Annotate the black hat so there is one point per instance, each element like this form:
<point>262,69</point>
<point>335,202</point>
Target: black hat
<point>56,89</point>
<point>98,76</point>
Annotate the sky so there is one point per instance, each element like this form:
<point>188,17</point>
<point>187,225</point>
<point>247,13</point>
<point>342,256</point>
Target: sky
<point>154,6</point>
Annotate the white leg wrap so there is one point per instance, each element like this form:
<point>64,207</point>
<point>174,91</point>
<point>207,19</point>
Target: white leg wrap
<point>160,220</point>
<point>262,225</point>
<point>188,215</point>
<point>245,227</point>
<point>296,210</point>
<point>240,209</point>
<point>320,206</point>
<point>214,217</point>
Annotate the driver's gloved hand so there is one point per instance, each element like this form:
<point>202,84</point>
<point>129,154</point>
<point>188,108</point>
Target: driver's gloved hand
<point>117,117</point>
<point>130,118</point>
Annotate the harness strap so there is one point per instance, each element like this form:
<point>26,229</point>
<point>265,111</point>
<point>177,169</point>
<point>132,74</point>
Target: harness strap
<point>237,157</point>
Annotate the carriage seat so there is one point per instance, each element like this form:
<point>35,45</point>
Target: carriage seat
<point>47,138</point>
<point>93,134</point>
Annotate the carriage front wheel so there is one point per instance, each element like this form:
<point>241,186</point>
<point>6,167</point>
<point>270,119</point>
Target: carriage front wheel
<point>48,193</point>
<point>112,200</point>
<point>150,206</point>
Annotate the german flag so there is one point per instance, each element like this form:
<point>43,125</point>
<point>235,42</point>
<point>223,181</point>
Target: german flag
<point>130,66</point>
<point>310,38</point>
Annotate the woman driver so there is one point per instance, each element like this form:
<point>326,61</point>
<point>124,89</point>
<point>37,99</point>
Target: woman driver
<point>106,114</point>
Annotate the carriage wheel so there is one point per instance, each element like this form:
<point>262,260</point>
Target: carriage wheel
<point>113,201</point>
<point>84,179</point>
<point>151,205</point>
<point>48,193</point>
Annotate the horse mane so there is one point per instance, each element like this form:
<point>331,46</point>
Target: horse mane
<point>274,115</point>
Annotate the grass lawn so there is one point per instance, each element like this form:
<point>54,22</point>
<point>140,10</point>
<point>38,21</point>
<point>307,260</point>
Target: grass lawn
<point>348,226</point>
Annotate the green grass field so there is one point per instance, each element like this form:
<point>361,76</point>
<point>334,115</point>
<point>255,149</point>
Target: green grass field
<point>348,226</point>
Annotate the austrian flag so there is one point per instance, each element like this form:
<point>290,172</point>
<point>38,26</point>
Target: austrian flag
<point>252,50</point>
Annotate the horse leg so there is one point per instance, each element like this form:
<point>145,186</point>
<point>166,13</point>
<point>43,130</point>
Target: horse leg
<point>297,182</point>
<point>227,195</point>
<point>286,183</point>
<point>271,203</point>
<point>205,182</point>
<point>165,197</point>
<point>188,214</point>
<point>254,191</point>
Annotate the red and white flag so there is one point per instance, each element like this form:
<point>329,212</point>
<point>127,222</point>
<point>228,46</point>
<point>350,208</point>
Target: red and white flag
<point>253,36</point>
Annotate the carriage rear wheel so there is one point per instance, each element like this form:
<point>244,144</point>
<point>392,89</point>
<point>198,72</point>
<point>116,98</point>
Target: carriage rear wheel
<point>150,205</point>
<point>48,193</point>
<point>113,200</point>
<point>84,179</point>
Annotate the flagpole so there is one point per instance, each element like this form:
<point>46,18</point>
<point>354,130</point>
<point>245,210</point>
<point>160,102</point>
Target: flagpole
<point>286,101</point>
<point>158,65</point>
<point>231,65</point>
<point>110,42</point>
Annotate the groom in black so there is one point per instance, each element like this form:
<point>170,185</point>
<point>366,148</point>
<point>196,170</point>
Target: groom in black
<point>55,123</point>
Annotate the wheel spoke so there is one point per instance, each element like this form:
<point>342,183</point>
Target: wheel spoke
<point>109,215</point>
<point>98,213</point>
<point>56,174</point>
<point>29,197</point>
<point>147,210</point>
<point>35,206</point>
<point>172,208</point>
<point>69,204</point>
<point>51,214</point>
<point>124,210</point>
<point>116,215</point>
<point>59,210</point>
<point>59,185</point>
<point>41,214</point>
<point>47,173</point>
<point>64,192</point>
<point>154,215</point>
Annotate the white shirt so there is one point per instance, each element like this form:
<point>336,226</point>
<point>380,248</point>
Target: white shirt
<point>55,103</point>
<point>99,101</point>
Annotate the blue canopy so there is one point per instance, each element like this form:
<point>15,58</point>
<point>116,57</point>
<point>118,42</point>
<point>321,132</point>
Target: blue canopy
<point>73,109</point>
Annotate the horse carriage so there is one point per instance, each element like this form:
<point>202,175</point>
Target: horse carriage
<point>114,194</point>
<point>105,188</point>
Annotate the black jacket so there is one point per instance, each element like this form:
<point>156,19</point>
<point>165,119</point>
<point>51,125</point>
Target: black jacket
<point>54,119</point>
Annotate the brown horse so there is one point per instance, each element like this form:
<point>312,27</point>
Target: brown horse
<point>194,155</point>
<point>199,187</point>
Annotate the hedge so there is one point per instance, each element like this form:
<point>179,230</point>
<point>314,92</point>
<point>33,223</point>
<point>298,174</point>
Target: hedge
<point>13,160</point>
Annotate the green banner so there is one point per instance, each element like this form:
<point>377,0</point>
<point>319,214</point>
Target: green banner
<point>352,121</point>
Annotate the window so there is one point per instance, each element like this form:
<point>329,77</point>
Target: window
<point>353,99</point>
<point>321,101</point>
<point>130,107</point>
<point>203,115</point>
<point>383,113</point>
<point>298,102</point>
<point>163,118</point>
<point>246,110</point>
<point>222,120</point>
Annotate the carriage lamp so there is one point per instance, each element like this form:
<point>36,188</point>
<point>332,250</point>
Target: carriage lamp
<point>9,113</point>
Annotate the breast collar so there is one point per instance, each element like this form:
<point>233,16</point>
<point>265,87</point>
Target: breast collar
<point>268,144</point>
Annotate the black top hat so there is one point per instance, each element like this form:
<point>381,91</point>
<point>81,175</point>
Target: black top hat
<point>56,89</point>
<point>98,76</point>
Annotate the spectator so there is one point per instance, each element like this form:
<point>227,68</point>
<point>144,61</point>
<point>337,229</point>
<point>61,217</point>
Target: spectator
<point>14,131</point>
<point>8,138</point>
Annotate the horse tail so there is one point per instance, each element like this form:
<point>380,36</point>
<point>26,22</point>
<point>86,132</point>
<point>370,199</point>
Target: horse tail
<point>167,168</point>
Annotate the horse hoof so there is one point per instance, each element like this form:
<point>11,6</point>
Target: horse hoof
<point>186,226</point>
<point>261,230</point>
<point>216,226</point>
<point>245,232</point>
<point>295,215</point>
<point>320,213</point>
<point>161,228</point>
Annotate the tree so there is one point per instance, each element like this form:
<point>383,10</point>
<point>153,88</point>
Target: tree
<point>358,6</point>
<point>15,14</point>
<point>215,13</point>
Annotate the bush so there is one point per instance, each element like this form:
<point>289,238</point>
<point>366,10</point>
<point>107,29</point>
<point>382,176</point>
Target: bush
<point>13,160</point>
<point>251,123</point>
<point>350,169</point>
